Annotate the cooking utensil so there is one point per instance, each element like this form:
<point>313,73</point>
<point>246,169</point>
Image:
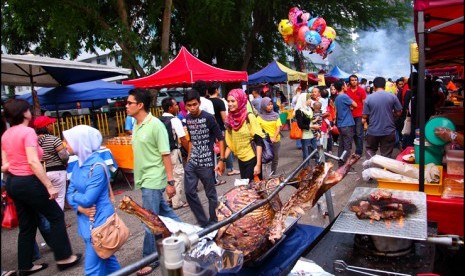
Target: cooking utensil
<point>434,123</point>
<point>341,268</point>
<point>413,226</point>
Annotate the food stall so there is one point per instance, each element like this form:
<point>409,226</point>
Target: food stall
<point>121,148</point>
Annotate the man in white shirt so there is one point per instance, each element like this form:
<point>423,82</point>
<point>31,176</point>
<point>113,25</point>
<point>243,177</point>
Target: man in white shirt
<point>175,133</point>
<point>205,104</point>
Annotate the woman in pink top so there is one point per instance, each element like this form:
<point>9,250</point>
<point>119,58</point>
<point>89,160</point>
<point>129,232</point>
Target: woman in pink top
<point>31,190</point>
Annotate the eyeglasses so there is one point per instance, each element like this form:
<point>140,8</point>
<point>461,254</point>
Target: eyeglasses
<point>129,102</point>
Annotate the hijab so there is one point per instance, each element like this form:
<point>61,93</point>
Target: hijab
<point>302,105</point>
<point>182,109</point>
<point>236,119</point>
<point>265,115</point>
<point>84,140</point>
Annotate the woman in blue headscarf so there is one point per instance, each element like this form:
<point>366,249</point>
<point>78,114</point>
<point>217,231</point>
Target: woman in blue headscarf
<point>88,193</point>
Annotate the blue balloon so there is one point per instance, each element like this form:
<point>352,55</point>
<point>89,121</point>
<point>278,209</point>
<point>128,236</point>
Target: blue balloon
<point>311,21</point>
<point>331,47</point>
<point>312,37</point>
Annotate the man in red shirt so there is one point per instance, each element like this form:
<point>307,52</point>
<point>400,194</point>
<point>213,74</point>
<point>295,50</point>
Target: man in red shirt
<point>358,95</point>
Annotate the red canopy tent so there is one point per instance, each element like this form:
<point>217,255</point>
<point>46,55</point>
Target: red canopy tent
<point>440,37</point>
<point>184,70</point>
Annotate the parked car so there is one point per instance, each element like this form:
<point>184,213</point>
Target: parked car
<point>68,112</point>
<point>176,93</point>
<point>114,105</point>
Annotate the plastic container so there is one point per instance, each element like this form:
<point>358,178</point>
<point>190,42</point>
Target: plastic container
<point>454,160</point>
<point>433,154</point>
<point>430,188</point>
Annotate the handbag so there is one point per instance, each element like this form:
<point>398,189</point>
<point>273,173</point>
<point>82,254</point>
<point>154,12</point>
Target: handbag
<point>267,149</point>
<point>407,129</point>
<point>110,236</point>
<point>296,132</point>
<point>334,130</point>
<point>10,217</point>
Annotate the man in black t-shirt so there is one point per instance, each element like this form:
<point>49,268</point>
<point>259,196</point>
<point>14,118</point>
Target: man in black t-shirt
<point>203,131</point>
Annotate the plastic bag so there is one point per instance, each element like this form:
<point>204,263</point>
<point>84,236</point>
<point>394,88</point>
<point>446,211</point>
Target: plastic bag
<point>10,218</point>
<point>296,132</point>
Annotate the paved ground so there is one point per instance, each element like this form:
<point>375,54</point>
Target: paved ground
<point>290,158</point>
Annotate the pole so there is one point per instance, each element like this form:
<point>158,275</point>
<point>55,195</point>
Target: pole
<point>421,97</point>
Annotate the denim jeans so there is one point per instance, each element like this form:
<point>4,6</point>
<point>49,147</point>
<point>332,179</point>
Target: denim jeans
<point>152,199</point>
<point>308,145</point>
<point>346,136</point>
<point>358,135</point>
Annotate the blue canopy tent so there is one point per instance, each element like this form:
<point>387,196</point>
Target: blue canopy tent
<point>93,94</point>
<point>336,74</point>
<point>276,72</point>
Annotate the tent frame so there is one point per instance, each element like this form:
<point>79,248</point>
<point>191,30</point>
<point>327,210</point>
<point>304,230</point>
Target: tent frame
<point>422,34</point>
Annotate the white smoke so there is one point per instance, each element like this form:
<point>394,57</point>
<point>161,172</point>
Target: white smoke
<point>385,52</point>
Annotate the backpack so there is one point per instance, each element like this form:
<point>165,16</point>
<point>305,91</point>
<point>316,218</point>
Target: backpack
<point>172,137</point>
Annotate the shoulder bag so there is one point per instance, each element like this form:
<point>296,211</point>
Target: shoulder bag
<point>296,132</point>
<point>110,236</point>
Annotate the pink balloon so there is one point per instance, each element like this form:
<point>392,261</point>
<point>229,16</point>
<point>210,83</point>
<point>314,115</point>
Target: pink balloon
<point>319,25</point>
<point>301,35</point>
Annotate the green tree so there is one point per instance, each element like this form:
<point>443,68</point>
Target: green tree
<point>237,34</point>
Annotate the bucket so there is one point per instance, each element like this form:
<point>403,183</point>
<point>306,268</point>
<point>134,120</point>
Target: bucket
<point>433,154</point>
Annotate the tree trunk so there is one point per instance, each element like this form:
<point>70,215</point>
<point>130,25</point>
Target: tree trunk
<point>250,43</point>
<point>165,35</point>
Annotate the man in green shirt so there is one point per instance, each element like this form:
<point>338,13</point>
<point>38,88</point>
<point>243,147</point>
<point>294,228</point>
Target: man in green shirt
<point>153,171</point>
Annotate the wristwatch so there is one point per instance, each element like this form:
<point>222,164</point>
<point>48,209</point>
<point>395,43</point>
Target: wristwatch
<point>222,159</point>
<point>171,182</point>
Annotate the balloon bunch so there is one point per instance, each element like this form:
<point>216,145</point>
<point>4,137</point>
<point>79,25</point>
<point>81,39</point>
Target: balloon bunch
<point>305,33</point>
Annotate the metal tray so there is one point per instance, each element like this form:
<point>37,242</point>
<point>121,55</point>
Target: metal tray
<point>413,226</point>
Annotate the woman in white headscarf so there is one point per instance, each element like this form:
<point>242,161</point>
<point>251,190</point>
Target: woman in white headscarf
<point>88,193</point>
<point>303,114</point>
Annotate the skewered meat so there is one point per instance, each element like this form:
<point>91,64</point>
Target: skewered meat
<point>381,205</point>
<point>149,218</point>
<point>255,232</point>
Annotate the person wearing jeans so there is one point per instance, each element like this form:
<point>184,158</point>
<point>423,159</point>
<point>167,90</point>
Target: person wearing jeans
<point>303,116</point>
<point>344,120</point>
<point>358,94</point>
<point>153,170</point>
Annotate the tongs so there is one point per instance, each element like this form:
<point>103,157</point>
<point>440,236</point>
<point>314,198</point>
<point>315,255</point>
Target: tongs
<point>341,268</point>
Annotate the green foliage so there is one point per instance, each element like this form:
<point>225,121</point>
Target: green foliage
<point>238,34</point>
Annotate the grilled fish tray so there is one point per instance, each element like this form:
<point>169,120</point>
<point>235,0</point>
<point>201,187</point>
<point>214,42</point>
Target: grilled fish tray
<point>412,226</point>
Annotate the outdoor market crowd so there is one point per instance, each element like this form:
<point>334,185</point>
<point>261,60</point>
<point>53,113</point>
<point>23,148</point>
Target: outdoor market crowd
<point>193,141</point>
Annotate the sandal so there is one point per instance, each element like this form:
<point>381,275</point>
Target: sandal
<point>220,182</point>
<point>183,205</point>
<point>144,271</point>
<point>233,172</point>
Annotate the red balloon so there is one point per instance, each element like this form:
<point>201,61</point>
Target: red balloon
<point>319,25</point>
<point>301,35</point>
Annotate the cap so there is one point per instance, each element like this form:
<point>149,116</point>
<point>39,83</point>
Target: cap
<point>43,121</point>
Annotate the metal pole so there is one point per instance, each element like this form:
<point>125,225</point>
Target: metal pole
<point>127,270</point>
<point>421,97</point>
